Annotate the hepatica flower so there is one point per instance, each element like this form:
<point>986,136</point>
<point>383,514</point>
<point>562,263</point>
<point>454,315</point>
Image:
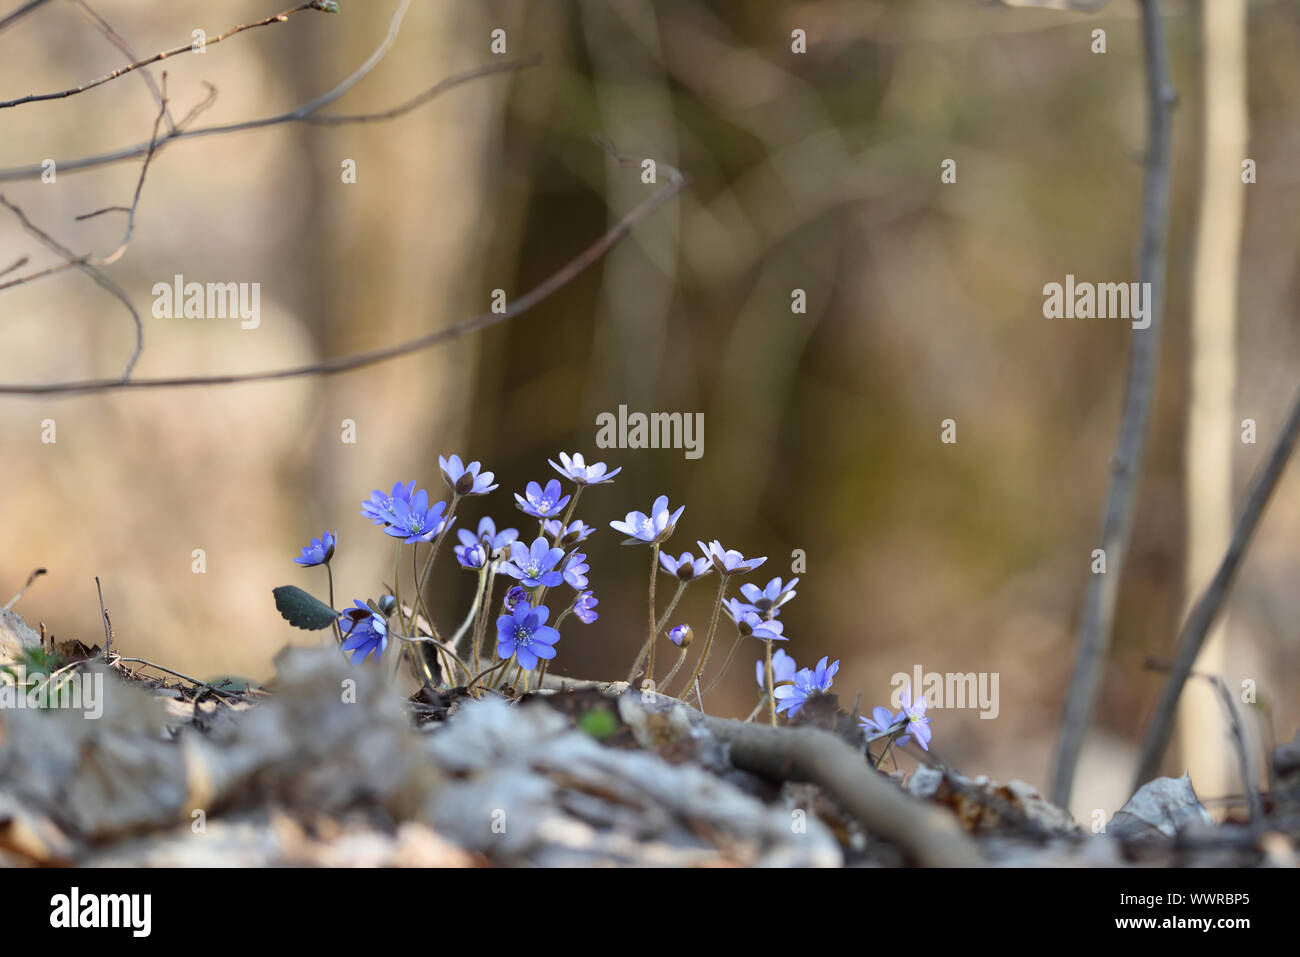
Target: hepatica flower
<point>319,552</point>
<point>750,622</point>
<point>807,682</point>
<point>783,669</point>
<point>535,565</point>
<point>585,607</point>
<point>416,520</point>
<point>729,561</point>
<point>525,634</point>
<point>514,595</point>
<point>580,473</point>
<point>577,532</point>
<point>379,507</point>
<point>472,556</point>
<point>913,718</point>
<point>542,502</point>
<point>465,479</point>
<point>768,599</point>
<point>655,527</point>
<point>575,570</point>
<point>681,636</point>
<point>686,567</point>
<point>365,632</point>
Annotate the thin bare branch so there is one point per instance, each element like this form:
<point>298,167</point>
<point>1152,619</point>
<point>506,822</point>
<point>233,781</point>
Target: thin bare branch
<point>1121,498</point>
<point>29,7</point>
<point>1208,606</point>
<point>177,51</point>
<point>119,41</point>
<point>548,287</point>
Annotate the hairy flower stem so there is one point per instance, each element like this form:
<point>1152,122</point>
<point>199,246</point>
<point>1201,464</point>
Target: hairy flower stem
<point>654,574</point>
<point>433,553</point>
<point>771,685</point>
<point>473,611</point>
<point>663,622</point>
<point>708,639</point>
<point>485,612</point>
<point>757,708</point>
<point>568,513</point>
<point>885,753</point>
<point>681,660</point>
<point>469,689</point>
<point>338,633</point>
<point>726,663</point>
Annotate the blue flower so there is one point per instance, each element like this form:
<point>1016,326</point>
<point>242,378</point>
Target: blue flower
<point>585,607</point>
<point>750,622</point>
<point>542,503</point>
<point>783,669</point>
<point>913,717</point>
<point>655,527</point>
<point>534,566</point>
<point>729,561</point>
<point>575,571</point>
<point>417,520</point>
<point>472,556</point>
<point>514,595</point>
<point>379,507</point>
<point>319,552</point>
<point>465,479</point>
<point>681,636</point>
<point>807,682</point>
<point>525,634</point>
<point>580,473</point>
<point>365,631</point>
<point>767,600</point>
<point>685,567</point>
<point>577,532</point>
<point>494,541</point>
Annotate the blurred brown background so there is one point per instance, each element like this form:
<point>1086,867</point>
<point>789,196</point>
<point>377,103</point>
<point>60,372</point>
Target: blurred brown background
<point>818,171</point>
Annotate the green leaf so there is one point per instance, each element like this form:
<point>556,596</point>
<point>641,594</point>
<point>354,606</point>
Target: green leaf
<point>303,610</point>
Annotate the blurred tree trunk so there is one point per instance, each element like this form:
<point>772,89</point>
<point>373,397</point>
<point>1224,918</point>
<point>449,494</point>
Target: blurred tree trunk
<point>1211,429</point>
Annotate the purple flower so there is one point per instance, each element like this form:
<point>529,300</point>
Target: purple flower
<point>577,532</point>
<point>465,479</point>
<point>472,556</point>
<point>807,682</point>
<point>542,503</point>
<point>729,561</point>
<point>575,571</point>
<point>580,473</point>
<point>417,520</point>
<point>767,600</point>
<point>319,552</point>
<point>585,607</point>
<point>655,527</point>
<point>912,717</point>
<point>681,636</point>
<point>514,596</point>
<point>495,542</point>
<point>750,622</point>
<point>524,634</point>
<point>686,567</point>
<point>536,565</point>
<point>783,669</point>
<point>379,507</point>
<point>365,631</point>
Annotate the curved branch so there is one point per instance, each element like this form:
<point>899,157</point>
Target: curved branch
<point>1121,498</point>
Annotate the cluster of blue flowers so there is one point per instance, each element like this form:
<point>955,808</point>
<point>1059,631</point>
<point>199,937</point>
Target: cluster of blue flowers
<point>526,634</point>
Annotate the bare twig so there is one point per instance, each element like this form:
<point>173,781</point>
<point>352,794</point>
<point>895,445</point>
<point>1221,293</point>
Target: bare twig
<point>72,260</point>
<point>1208,606</point>
<point>544,290</point>
<point>108,622</point>
<point>12,18</point>
<point>18,265</point>
<point>119,41</point>
<point>176,51</point>
<point>37,573</point>
<point>1121,498</point>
